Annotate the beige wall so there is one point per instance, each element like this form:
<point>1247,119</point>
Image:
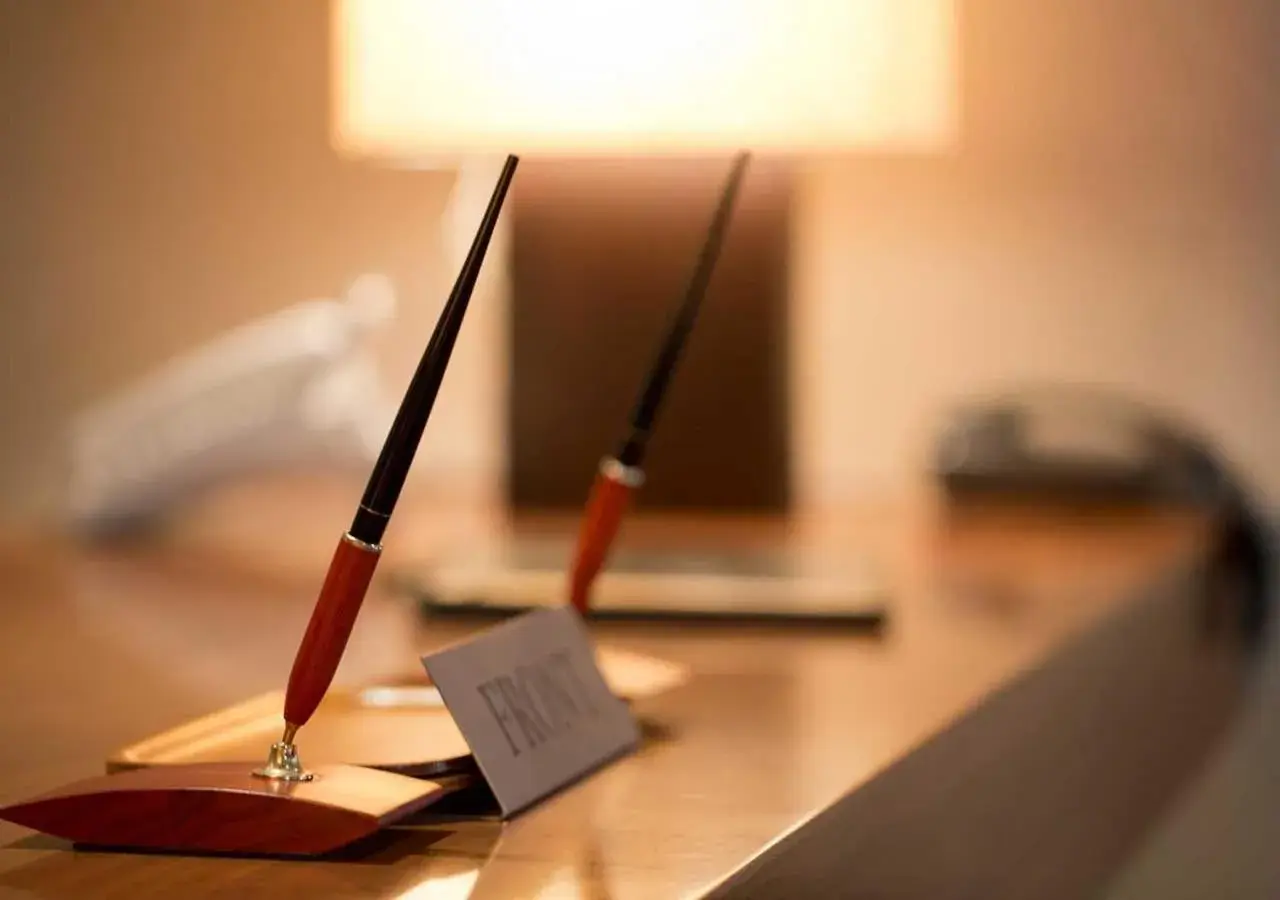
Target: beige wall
<point>953,283</point>
<point>167,175</point>
<point>1113,214</point>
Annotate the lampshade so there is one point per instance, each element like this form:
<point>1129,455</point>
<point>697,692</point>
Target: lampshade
<point>443,77</point>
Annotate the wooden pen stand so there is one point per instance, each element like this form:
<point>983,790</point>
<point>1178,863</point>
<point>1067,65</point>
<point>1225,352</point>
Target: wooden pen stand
<point>225,808</point>
<point>376,760</point>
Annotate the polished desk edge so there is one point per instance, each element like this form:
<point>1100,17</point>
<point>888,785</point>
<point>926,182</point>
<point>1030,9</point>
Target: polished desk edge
<point>1047,787</point>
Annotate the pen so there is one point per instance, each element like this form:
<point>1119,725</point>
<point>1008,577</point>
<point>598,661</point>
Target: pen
<point>621,475</point>
<point>360,548</point>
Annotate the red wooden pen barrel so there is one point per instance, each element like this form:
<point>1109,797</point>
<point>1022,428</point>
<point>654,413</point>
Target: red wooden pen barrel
<point>330,627</point>
<point>608,503</point>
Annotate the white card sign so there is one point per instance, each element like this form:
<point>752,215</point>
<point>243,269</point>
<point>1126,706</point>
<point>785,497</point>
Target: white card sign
<point>532,705</point>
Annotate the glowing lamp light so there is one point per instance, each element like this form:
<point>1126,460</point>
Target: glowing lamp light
<point>452,77</point>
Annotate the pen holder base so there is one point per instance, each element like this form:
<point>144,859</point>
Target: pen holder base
<point>225,808</point>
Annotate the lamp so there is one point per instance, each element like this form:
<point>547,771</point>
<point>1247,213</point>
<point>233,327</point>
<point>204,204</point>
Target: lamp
<point>646,97</point>
<point>640,76</point>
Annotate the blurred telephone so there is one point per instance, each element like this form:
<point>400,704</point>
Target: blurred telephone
<point>1075,443</point>
<point>1088,444</point>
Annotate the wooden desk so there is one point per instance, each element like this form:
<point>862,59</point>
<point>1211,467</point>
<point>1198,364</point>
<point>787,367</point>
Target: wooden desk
<point>101,649</point>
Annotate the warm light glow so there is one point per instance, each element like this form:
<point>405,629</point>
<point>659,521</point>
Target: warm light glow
<point>458,886</point>
<point>442,77</point>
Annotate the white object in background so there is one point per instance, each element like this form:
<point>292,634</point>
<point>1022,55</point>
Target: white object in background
<point>298,385</point>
